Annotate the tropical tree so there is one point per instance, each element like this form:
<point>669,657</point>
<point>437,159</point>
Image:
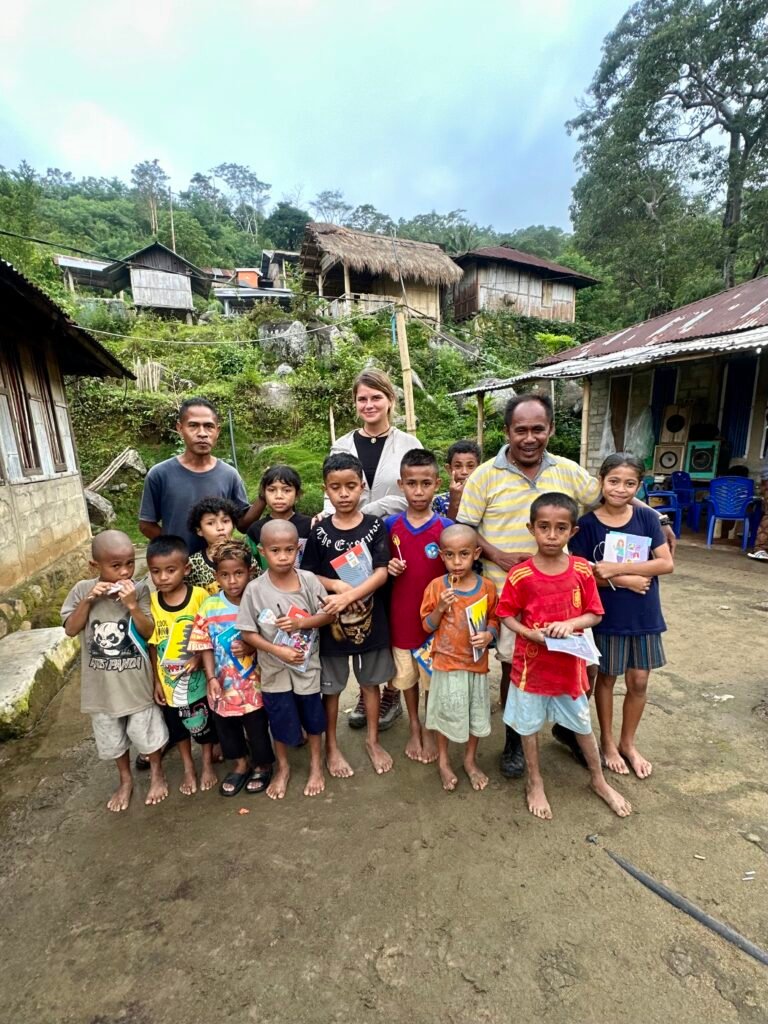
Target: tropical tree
<point>150,183</point>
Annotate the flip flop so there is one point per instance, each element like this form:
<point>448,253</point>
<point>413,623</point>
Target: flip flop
<point>236,780</point>
<point>262,778</point>
<point>759,556</point>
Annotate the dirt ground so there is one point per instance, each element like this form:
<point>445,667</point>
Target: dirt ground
<point>387,900</point>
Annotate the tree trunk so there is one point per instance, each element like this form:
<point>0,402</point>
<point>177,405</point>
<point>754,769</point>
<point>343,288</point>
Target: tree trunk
<point>737,163</point>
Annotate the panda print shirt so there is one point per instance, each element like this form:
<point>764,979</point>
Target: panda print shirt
<point>116,673</point>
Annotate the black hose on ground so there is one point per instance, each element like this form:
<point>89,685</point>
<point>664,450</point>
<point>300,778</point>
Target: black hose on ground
<point>691,909</point>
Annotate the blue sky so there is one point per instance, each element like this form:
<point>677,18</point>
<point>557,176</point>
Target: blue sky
<point>411,106</point>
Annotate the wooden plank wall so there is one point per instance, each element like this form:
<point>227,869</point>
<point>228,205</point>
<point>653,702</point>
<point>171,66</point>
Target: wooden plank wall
<point>503,286</point>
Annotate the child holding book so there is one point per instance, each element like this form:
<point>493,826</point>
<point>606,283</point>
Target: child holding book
<point>213,519</point>
<point>280,615</point>
<point>552,596</point>
<point>280,489</point>
<point>459,610</point>
<point>232,676</point>
<point>354,545</point>
<point>414,539</point>
<point>629,635</point>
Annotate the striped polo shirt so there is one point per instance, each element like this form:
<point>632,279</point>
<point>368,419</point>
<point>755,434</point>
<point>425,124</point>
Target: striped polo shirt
<point>497,500</point>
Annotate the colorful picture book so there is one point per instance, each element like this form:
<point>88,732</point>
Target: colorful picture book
<point>355,566</point>
<point>477,620</point>
<point>626,547</point>
<point>302,640</point>
<point>580,645</point>
<point>423,656</point>
<point>226,638</point>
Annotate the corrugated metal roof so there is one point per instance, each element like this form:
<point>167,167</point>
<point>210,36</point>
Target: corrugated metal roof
<point>80,263</point>
<point>509,255</point>
<point>736,309</point>
<point>81,355</point>
<point>571,369</point>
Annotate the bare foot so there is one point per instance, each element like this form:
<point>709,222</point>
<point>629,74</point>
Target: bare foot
<point>158,790</point>
<point>338,766</point>
<point>413,748</point>
<point>315,782</point>
<point>537,801</point>
<point>428,747</point>
<point>279,784</point>
<point>380,759</point>
<point>478,779</point>
<point>448,777</point>
<point>640,765</point>
<point>615,800</point>
<point>208,779</point>
<point>188,783</point>
<point>613,760</point>
<point>121,797</point>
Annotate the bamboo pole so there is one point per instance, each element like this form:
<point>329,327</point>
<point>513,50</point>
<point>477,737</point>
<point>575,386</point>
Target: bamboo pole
<point>332,424</point>
<point>480,419</point>
<point>405,366</point>
<point>584,446</point>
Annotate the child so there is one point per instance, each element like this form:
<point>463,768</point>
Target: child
<point>113,614</point>
<point>214,520</point>
<point>629,636</point>
<point>414,542</point>
<point>179,682</point>
<point>553,595</point>
<point>232,676</point>
<point>462,460</point>
<point>459,707</point>
<point>361,626</point>
<point>280,488</point>
<point>290,673</point>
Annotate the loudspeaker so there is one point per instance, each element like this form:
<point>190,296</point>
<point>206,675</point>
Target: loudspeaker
<point>701,459</point>
<point>668,458</point>
<point>675,424</point>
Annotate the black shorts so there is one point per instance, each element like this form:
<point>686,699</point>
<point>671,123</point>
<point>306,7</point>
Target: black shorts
<point>288,712</point>
<point>195,721</point>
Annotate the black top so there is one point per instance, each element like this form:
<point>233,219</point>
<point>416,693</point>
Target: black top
<point>354,632</point>
<point>369,454</point>
<point>302,523</point>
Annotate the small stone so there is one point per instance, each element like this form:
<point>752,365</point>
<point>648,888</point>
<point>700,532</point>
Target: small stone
<point>752,838</point>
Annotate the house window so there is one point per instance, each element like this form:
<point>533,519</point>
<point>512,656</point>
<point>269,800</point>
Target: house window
<point>12,385</point>
<point>44,396</point>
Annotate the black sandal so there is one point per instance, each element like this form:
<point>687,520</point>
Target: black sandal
<point>235,779</point>
<point>262,778</point>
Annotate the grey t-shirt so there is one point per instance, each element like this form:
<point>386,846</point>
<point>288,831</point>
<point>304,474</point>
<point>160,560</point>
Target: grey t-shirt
<point>116,673</point>
<point>262,598</point>
<point>170,491</point>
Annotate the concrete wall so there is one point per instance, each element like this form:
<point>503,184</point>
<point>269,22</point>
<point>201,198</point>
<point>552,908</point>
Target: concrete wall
<point>39,521</point>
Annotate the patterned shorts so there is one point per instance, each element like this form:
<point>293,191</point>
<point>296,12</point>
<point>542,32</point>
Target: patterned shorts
<point>618,653</point>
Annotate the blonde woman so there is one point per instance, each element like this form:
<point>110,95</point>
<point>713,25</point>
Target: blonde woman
<point>380,447</point>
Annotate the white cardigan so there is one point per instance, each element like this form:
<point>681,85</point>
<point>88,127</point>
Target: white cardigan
<point>385,497</point>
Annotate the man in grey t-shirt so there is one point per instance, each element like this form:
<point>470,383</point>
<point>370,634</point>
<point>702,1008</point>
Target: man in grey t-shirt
<point>172,487</point>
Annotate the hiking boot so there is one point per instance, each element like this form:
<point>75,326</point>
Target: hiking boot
<point>356,718</point>
<point>391,709</point>
<point>512,761</point>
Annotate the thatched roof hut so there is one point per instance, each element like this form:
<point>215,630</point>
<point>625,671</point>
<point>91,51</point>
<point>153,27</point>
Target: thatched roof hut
<point>355,267</point>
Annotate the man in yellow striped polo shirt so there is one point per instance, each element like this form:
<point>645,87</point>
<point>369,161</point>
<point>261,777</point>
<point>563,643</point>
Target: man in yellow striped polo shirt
<point>497,500</point>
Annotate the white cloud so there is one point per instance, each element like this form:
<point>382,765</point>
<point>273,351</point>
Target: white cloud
<point>88,139</point>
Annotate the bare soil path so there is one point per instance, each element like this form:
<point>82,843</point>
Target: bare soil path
<point>387,900</point>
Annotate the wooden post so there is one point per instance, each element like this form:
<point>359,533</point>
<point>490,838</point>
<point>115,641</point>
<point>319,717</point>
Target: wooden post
<point>584,446</point>
<point>332,423</point>
<point>347,286</point>
<point>320,284</point>
<point>480,419</point>
<point>405,365</point>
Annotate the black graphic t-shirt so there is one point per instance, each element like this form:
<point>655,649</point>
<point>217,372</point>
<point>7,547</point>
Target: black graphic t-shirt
<point>356,631</point>
<point>116,674</point>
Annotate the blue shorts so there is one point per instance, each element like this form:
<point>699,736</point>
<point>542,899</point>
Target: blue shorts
<point>288,712</point>
<point>527,712</point>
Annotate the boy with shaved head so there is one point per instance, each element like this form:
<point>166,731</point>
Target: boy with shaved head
<point>112,612</point>
<point>287,602</point>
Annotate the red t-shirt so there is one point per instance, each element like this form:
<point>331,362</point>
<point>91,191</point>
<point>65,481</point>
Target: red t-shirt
<point>420,548</point>
<point>539,599</point>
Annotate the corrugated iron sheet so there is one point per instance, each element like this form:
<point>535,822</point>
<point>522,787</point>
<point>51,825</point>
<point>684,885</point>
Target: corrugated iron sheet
<point>737,309</point>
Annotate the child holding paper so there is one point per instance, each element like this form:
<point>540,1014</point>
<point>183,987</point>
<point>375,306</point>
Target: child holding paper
<point>629,635</point>
<point>552,596</point>
<point>459,610</point>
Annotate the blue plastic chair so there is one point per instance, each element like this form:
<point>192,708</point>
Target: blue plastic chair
<point>669,505</point>
<point>685,488</point>
<point>730,497</point>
